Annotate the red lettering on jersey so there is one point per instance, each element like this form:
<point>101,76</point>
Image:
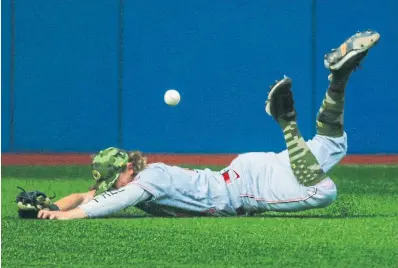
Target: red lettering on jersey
<point>226,177</point>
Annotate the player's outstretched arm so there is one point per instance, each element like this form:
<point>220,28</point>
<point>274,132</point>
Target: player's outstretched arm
<point>102,205</point>
<point>74,200</point>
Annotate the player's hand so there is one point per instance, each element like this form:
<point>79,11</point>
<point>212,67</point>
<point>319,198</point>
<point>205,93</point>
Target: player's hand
<point>51,215</point>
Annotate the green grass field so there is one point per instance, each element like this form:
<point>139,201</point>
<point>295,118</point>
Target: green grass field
<point>358,230</point>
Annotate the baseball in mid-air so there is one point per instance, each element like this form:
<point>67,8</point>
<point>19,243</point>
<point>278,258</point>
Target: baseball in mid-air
<point>172,97</point>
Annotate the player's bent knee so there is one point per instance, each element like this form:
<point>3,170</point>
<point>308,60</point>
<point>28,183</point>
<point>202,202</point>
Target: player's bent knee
<point>337,146</point>
<point>329,150</point>
<point>326,193</point>
<point>327,200</point>
<point>344,145</point>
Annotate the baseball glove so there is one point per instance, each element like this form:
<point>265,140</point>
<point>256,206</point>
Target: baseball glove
<point>29,203</point>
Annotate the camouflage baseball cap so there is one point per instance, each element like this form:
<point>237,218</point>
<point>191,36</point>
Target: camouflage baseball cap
<point>106,167</point>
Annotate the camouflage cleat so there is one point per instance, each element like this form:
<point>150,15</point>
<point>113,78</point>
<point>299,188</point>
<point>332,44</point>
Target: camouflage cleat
<point>347,57</point>
<point>280,103</point>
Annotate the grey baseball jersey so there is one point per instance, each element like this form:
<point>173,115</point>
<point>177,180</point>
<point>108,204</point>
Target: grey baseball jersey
<point>168,190</point>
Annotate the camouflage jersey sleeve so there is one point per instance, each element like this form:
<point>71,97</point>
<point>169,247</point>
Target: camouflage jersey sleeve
<point>116,200</point>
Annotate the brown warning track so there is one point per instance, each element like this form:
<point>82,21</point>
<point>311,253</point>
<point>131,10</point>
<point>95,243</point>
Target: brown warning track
<point>173,159</point>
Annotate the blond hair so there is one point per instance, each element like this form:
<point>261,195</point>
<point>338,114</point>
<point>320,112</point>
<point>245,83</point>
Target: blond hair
<point>139,161</point>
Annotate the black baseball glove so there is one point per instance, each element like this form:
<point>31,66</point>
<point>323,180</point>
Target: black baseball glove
<point>29,203</point>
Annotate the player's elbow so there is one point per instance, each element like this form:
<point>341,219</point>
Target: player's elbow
<point>87,197</point>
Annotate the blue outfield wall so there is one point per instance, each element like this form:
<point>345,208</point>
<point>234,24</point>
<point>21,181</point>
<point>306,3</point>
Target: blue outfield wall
<point>5,76</point>
<point>65,75</point>
<point>221,56</point>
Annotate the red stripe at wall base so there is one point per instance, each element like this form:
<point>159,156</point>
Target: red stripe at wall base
<point>172,159</point>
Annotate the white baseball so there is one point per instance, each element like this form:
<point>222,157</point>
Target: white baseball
<point>172,97</point>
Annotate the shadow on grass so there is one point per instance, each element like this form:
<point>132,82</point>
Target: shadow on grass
<point>127,216</point>
<point>274,216</point>
<point>283,216</point>
<point>326,216</point>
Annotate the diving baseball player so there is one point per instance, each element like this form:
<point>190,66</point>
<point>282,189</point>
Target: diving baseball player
<point>293,180</point>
